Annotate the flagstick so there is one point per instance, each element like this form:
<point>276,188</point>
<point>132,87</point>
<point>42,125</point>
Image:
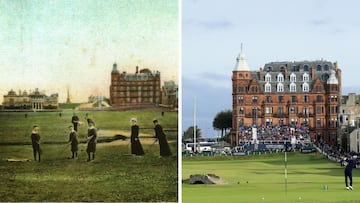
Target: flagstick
<point>194,128</point>
<point>285,173</point>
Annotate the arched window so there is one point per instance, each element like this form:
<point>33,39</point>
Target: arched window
<point>280,77</point>
<point>318,67</point>
<point>292,87</point>
<point>267,77</point>
<point>282,69</point>
<point>326,67</point>
<point>306,77</point>
<point>305,87</point>
<point>269,69</point>
<point>267,87</point>
<point>292,77</point>
<point>280,87</point>
<point>306,68</point>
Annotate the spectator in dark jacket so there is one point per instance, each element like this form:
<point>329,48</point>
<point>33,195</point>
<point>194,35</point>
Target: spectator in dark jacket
<point>35,141</point>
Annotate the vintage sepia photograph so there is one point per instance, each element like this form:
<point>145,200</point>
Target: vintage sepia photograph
<point>89,101</point>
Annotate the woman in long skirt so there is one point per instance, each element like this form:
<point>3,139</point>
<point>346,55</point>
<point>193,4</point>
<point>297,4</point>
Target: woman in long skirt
<point>160,135</point>
<point>136,147</point>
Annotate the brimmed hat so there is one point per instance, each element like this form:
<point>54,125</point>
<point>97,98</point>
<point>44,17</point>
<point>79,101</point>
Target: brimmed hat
<point>133,120</point>
<point>90,121</point>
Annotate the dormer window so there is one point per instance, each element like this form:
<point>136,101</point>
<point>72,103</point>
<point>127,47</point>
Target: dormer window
<point>267,87</point>
<point>306,68</point>
<point>282,69</point>
<point>318,67</point>
<point>269,69</point>
<point>292,77</point>
<point>305,87</point>
<point>280,77</point>
<point>267,77</point>
<point>326,67</point>
<point>292,87</point>
<point>280,87</point>
<point>306,77</point>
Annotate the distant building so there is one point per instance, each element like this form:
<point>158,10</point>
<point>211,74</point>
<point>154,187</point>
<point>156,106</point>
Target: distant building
<point>169,95</point>
<point>349,120</point>
<point>141,88</point>
<point>34,100</point>
<point>301,93</point>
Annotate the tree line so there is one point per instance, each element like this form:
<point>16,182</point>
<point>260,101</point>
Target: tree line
<point>222,122</point>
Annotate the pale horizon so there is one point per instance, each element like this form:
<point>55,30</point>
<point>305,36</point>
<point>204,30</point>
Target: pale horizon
<point>58,45</point>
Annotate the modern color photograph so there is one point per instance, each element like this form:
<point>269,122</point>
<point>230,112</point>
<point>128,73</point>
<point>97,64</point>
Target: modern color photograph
<point>270,101</point>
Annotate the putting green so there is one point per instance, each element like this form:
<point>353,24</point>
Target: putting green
<point>262,179</point>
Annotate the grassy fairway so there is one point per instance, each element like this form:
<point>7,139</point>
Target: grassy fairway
<point>261,179</point>
<point>114,175</point>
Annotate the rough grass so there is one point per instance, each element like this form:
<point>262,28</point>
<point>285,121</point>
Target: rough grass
<point>114,175</point>
<point>261,179</point>
<point>53,128</point>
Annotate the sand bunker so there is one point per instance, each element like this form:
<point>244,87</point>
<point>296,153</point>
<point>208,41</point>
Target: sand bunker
<point>205,179</point>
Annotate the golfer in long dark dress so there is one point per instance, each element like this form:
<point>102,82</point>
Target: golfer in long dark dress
<point>136,147</point>
<point>92,134</point>
<point>35,141</point>
<point>73,141</point>
<point>160,135</point>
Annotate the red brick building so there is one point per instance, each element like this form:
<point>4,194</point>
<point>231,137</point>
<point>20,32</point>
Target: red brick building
<point>293,93</point>
<point>139,89</point>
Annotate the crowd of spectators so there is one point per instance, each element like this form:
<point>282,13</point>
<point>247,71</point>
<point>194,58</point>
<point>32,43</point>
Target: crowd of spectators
<point>272,132</point>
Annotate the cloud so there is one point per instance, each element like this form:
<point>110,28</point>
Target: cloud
<point>319,22</point>
<point>209,79</point>
<point>214,25</point>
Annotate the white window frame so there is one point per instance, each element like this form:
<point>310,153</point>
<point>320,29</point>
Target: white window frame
<point>306,77</point>
<point>280,87</point>
<point>267,77</point>
<point>267,87</point>
<point>280,77</point>
<point>292,77</point>
<point>305,87</point>
<point>292,87</point>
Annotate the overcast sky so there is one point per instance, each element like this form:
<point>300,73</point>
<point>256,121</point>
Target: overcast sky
<point>53,45</point>
<point>276,30</point>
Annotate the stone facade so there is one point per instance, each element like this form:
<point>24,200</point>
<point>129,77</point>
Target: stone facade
<point>34,100</point>
<point>349,120</point>
<point>304,93</point>
<point>169,96</point>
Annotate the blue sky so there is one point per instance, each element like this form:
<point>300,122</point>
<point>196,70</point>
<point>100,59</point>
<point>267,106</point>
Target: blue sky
<point>277,30</point>
<point>59,44</point>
